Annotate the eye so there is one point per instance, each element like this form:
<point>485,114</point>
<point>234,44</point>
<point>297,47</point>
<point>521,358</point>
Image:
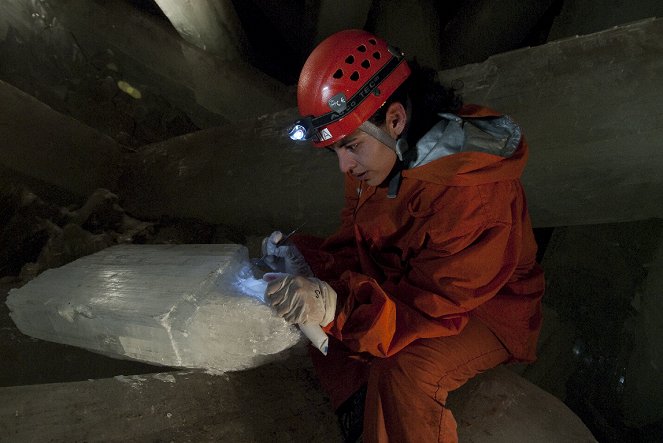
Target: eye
<point>348,147</point>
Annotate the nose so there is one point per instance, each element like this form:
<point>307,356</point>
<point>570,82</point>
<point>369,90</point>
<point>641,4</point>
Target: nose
<point>345,160</point>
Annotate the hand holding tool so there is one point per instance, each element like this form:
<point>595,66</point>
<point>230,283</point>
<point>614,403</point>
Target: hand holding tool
<point>281,257</point>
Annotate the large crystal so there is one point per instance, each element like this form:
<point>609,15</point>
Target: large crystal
<point>192,306</point>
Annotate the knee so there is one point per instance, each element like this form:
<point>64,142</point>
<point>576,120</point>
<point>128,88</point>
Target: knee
<point>408,375</point>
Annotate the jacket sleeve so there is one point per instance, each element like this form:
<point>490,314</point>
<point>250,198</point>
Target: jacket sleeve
<point>444,281</point>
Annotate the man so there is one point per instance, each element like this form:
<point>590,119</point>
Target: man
<point>432,277</point>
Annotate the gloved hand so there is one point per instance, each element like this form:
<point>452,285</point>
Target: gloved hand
<point>301,299</point>
<point>284,258</point>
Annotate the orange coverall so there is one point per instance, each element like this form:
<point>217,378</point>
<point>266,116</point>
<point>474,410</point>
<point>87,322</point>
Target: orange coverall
<point>434,286</point>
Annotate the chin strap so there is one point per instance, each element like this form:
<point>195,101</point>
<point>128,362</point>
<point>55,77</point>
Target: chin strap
<point>400,147</point>
<point>394,180</point>
<point>378,134</point>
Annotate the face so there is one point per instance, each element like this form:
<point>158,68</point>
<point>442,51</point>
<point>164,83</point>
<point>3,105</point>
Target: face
<point>364,157</point>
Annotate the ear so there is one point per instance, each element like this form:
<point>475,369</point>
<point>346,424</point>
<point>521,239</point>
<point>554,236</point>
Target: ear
<point>396,119</point>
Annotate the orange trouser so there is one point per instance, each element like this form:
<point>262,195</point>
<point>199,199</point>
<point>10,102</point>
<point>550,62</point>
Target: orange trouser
<point>407,392</point>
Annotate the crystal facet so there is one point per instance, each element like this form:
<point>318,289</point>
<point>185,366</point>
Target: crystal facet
<point>189,306</point>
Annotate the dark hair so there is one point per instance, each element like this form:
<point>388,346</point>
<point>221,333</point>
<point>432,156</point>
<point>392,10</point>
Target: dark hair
<point>428,97</point>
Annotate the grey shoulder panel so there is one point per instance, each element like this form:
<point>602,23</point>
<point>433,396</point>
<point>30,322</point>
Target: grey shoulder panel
<point>494,135</point>
<point>453,134</point>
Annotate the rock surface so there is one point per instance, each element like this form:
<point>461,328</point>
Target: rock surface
<point>278,402</point>
<point>500,406</point>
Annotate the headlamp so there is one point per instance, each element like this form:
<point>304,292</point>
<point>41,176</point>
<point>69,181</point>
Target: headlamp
<point>301,130</point>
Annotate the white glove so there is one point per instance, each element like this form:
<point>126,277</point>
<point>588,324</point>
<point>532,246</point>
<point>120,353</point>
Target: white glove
<point>298,299</point>
<point>284,258</point>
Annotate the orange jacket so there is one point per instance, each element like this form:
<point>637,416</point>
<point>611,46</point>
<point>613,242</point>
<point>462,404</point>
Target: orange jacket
<point>456,241</point>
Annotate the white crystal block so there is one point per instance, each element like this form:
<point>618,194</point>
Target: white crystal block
<point>194,306</point>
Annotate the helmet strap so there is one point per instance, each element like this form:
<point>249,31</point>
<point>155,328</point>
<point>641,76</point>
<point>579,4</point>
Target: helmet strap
<point>399,146</point>
<point>378,134</point>
<point>394,180</point>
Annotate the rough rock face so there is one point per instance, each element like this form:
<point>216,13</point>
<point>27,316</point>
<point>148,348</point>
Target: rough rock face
<point>36,235</point>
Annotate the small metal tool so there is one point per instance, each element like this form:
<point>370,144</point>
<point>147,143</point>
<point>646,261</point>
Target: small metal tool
<point>260,262</point>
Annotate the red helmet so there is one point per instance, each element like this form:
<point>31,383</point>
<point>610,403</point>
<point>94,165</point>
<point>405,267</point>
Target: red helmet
<point>347,77</point>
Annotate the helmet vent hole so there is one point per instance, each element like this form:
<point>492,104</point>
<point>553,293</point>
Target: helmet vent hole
<point>338,73</point>
<point>377,55</point>
<point>355,76</point>
<point>372,41</point>
<point>366,64</point>
<point>361,48</point>
<point>349,59</point>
